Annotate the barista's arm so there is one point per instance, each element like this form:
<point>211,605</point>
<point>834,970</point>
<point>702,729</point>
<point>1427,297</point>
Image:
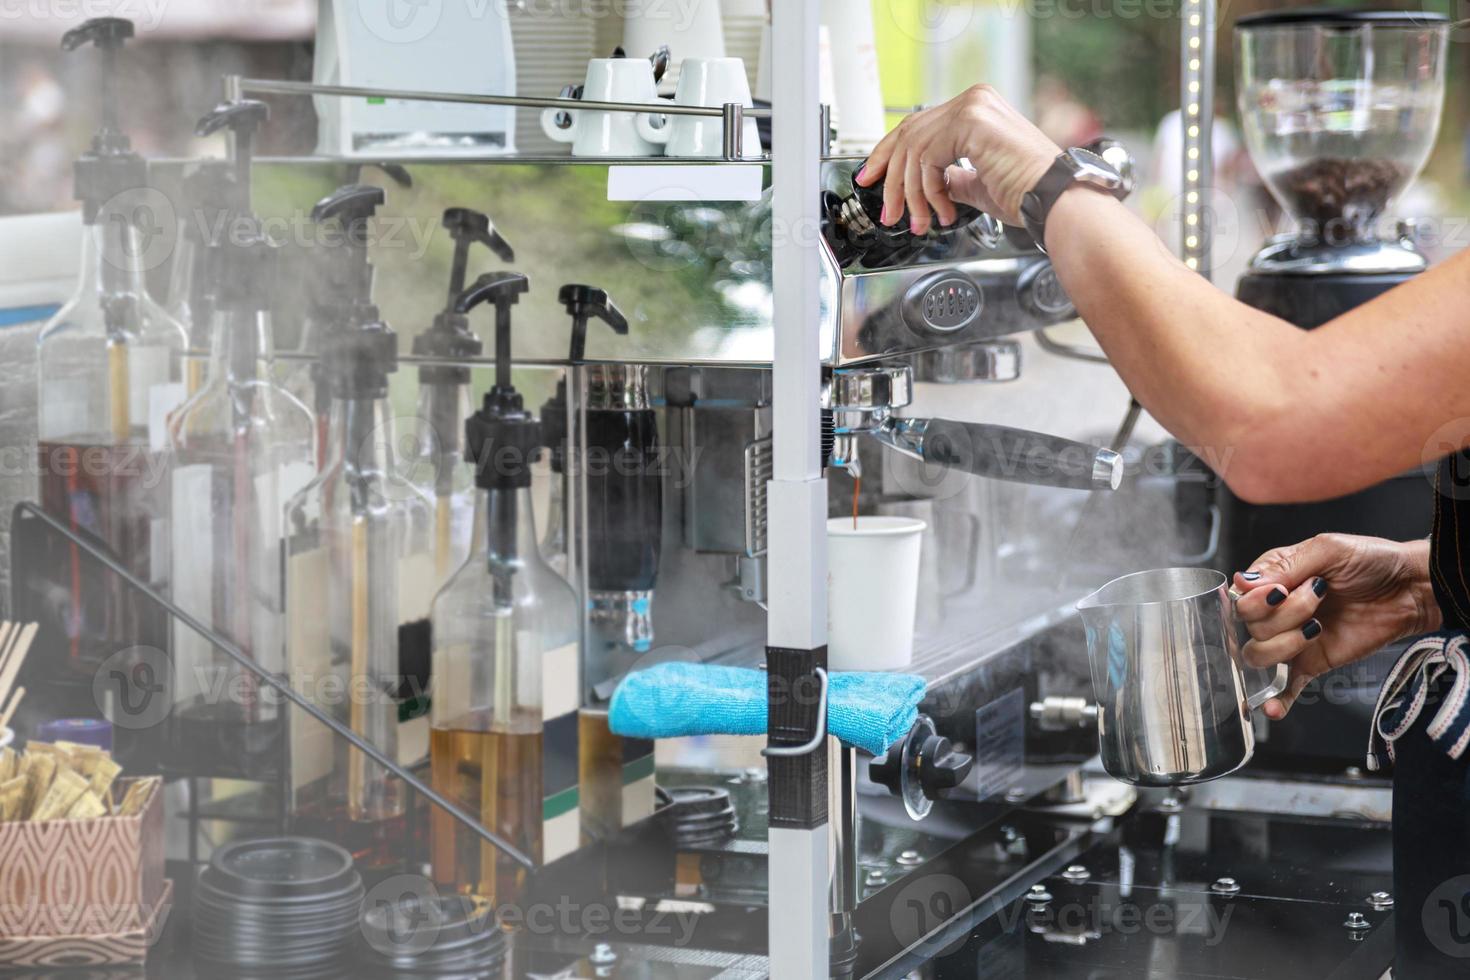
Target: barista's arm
<point>1283,414</point>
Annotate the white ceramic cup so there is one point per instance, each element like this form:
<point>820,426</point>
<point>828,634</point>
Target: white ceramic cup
<point>872,591</point>
<point>691,29</point>
<point>597,133</point>
<point>704,82</point>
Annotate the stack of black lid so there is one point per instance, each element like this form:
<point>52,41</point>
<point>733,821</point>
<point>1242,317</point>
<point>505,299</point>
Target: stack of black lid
<point>281,907</point>
<point>432,936</point>
<point>702,816</point>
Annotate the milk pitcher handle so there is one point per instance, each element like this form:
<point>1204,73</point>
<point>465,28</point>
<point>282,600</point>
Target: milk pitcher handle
<point>1275,678</point>
<point>1279,675</point>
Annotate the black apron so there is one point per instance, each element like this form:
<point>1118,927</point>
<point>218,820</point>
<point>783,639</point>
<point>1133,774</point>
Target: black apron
<point>1431,788</point>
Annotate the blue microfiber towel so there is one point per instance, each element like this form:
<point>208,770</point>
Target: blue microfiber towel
<point>670,700</point>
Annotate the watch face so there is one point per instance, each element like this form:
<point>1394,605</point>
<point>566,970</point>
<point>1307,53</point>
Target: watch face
<point>1093,169</point>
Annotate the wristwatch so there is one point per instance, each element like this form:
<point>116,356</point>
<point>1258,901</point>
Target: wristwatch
<point>1071,166</point>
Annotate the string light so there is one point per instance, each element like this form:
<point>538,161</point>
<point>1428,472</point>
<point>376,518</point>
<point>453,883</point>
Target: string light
<point>1197,39</point>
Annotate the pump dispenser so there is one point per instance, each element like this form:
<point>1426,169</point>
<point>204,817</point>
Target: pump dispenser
<point>240,447</point>
<point>444,397</point>
<point>309,294</point>
<point>506,664</point>
<point>110,364</point>
<point>624,487</point>
<point>359,534</point>
<point>205,194</point>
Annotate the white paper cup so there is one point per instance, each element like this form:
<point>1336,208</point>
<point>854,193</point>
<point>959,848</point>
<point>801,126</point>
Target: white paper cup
<point>872,591</point>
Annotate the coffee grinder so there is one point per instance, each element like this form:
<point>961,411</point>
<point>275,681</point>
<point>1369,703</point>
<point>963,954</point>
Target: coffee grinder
<point>1340,109</point>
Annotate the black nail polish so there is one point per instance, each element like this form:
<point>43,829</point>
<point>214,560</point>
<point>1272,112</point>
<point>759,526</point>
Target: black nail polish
<point>1250,576</point>
<point>1276,596</point>
<point>1311,630</point>
<point>1320,587</point>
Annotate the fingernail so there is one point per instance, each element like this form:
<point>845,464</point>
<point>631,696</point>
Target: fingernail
<point>914,225</point>
<point>1276,597</point>
<point>1250,576</point>
<point>861,171</point>
<point>883,218</point>
<point>1320,587</point>
<point>1312,628</point>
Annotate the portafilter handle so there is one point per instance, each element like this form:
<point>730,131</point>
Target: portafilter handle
<point>999,452</point>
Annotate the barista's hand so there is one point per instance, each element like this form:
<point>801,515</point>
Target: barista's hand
<point>1008,153</point>
<point>1332,600</point>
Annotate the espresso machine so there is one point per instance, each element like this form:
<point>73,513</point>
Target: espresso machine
<point>1340,110</point>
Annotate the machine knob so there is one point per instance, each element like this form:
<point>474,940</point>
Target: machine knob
<point>941,768</point>
<point>921,768</point>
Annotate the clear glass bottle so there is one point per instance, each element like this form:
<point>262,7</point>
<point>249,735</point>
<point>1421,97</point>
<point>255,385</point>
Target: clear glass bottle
<point>360,550</point>
<point>109,370</point>
<point>506,663</point>
<point>241,446</point>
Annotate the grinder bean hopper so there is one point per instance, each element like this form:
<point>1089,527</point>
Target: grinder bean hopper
<point>1340,109</point>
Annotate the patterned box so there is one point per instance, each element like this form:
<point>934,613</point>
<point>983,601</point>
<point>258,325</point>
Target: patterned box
<point>78,878</point>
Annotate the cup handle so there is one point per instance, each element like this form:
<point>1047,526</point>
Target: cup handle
<point>650,132</point>
<point>1279,677</point>
<point>555,132</point>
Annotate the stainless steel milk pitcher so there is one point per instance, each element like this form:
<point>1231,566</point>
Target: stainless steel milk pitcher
<point>1174,697</point>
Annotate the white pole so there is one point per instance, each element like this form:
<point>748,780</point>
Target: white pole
<point>798,492</point>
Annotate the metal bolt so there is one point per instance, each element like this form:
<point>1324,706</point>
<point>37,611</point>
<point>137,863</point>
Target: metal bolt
<point>1380,901</point>
<point>1356,921</point>
<point>1076,872</point>
<point>603,955</point>
<point>1353,772</point>
<point>876,879</point>
<point>1016,794</point>
<point>1225,886</point>
<point>1038,895</point>
<point>910,859</point>
<point>1171,804</point>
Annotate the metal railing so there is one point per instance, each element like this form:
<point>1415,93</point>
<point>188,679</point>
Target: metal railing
<point>732,114</point>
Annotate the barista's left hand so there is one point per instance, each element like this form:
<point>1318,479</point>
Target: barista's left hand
<point>1330,601</point>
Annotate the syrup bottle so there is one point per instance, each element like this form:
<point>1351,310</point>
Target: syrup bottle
<point>506,679</point>
<point>110,369</point>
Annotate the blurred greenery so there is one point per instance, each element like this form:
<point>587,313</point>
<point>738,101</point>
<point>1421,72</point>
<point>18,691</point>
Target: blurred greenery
<point>1126,68</point>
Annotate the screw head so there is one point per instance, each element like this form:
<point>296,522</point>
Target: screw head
<point>603,954</point>
<point>1356,920</point>
<point>1171,804</point>
<point>1038,895</point>
<point>1225,886</point>
<point>910,859</point>
<point>1016,794</point>
<point>875,879</point>
<point>1076,872</point>
<point>1380,901</point>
